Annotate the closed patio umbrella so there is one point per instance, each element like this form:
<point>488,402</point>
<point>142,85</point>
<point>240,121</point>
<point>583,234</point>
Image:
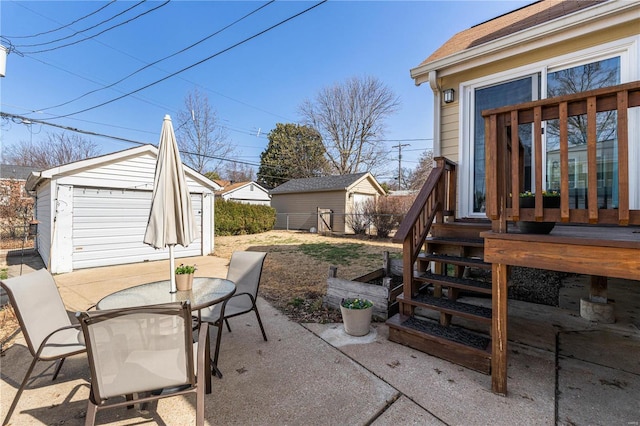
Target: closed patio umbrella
<point>171,219</point>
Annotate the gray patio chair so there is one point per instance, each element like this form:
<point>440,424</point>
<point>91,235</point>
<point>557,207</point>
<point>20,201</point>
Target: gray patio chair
<point>143,354</point>
<point>245,270</point>
<point>44,322</point>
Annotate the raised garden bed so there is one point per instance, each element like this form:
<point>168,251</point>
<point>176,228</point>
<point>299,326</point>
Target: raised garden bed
<point>381,286</point>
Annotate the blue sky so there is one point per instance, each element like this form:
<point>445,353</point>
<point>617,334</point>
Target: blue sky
<point>252,86</point>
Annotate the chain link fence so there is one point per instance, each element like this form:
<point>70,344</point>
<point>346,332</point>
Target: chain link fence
<point>336,223</point>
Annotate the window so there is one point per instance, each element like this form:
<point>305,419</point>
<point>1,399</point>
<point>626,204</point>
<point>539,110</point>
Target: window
<point>508,93</point>
<point>602,66</point>
<point>575,79</point>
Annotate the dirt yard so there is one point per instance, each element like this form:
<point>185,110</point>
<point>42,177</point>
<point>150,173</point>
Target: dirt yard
<point>294,278</point>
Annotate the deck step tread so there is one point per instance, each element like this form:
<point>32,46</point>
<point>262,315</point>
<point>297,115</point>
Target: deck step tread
<point>449,306</point>
<point>455,260</point>
<point>470,242</point>
<point>461,283</point>
<point>453,334</point>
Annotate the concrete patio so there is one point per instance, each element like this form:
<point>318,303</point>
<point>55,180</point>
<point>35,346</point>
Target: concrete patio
<point>562,369</point>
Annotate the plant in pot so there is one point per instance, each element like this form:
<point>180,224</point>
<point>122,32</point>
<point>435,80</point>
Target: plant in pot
<point>550,200</point>
<point>356,316</point>
<point>184,276</point>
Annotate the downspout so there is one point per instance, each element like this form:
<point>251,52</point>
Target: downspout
<point>54,228</point>
<point>433,82</point>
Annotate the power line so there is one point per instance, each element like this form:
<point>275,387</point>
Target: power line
<point>166,57</point>
<point>64,26</point>
<point>8,43</point>
<point>81,31</point>
<point>197,63</point>
<point>103,31</point>
<point>117,138</point>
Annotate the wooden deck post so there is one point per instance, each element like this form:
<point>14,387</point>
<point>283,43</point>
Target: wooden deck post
<point>499,329</point>
<point>598,289</point>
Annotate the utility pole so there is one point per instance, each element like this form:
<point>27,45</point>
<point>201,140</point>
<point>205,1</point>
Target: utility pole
<point>399,146</point>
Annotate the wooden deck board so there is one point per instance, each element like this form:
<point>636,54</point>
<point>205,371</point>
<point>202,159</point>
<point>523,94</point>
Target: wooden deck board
<point>606,251</point>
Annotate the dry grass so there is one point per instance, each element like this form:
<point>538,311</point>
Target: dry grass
<point>8,327</point>
<point>295,274</point>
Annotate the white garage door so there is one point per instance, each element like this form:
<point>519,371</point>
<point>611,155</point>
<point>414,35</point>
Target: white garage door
<point>109,226</point>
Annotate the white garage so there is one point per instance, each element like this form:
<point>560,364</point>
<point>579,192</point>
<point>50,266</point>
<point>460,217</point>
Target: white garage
<point>94,212</point>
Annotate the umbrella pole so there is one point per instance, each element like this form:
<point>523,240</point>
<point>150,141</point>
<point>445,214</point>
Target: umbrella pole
<point>172,265</point>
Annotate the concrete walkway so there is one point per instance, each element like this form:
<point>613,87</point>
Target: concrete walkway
<point>562,370</point>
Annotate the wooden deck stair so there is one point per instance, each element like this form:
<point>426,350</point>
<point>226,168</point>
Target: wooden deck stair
<point>451,249</point>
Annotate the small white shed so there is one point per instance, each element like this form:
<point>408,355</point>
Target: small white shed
<point>94,212</point>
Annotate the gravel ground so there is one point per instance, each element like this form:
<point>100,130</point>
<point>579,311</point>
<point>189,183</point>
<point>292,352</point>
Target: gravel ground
<point>535,285</point>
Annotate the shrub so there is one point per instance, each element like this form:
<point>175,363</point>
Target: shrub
<point>386,214</point>
<point>233,218</point>
<point>359,220</point>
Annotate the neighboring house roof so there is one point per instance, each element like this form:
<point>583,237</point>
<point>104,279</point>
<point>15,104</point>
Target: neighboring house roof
<point>509,23</point>
<point>10,171</point>
<point>222,183</point>
<point>36,177</point>
<point>325,183</point>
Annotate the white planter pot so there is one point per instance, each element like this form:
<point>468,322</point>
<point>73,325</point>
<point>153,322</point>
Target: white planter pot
<point>184,282</point>
<point>357,322</point>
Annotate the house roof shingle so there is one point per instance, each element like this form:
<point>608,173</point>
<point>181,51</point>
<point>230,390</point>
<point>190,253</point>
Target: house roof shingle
<point>509,23</point>
<point>10,171</point>
<point>325,183</point>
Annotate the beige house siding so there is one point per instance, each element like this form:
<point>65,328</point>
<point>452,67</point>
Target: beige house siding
<point>449,133</point>
<point>364,187</point>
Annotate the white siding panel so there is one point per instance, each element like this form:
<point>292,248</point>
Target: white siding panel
<point>43,216</point>
<point>132,173</point>
<point>109,226</point>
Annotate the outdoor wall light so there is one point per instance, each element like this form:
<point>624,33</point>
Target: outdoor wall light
<point>448,96</point>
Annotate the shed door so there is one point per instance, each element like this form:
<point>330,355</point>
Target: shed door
<point>109,226</point>
<point>360,200</point>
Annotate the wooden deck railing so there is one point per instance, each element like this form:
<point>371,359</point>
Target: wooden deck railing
<point>504,159</point>
<point>436,201</point>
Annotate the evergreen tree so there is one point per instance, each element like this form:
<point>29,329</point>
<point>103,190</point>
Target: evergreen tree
<point>293,152</point>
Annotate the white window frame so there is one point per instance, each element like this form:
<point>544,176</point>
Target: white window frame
<point>628,49</point>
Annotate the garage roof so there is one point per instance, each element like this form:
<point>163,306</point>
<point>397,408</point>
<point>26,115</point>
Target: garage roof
<point>324,183</point>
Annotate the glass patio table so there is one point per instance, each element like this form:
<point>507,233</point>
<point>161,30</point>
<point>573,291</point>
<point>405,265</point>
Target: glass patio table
<point>205,292</point>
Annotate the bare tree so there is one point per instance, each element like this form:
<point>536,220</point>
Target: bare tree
<point>239,172</point>
<point>580,79</point>
<point>417,177</point>
<point>56,149</point>
<point>351,118</point>
<point>16,209</point>
<point>201,138</point>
